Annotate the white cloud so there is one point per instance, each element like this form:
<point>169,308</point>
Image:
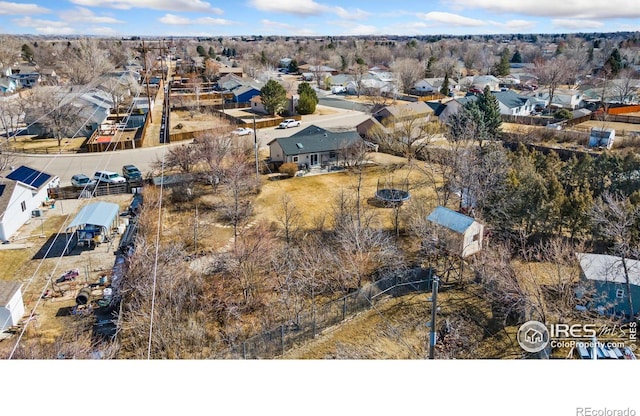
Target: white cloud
<point>575,24</point>
<point>7,8</point>
<point>45,27</point>
<point>174,5</point>
<point>81,14</point>
<point>307,8</point>
<point>577,9</point>
<point>351,14</point>
<point>172,19</point>
<point>450,19</point>
<point>518,25</point>
<point>271,26</point>
<point>299,7</point>
<point>351,29</point>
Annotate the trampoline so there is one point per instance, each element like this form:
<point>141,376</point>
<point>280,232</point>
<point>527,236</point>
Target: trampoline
<point>391,195</point>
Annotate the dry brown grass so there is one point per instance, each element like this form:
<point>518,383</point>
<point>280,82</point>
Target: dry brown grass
<point>30,143</point>
<point>314,196</point>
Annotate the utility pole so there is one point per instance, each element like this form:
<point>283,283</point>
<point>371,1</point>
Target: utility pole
<point>255,145</point>
<point>146,75</point>
<point>434,309</point>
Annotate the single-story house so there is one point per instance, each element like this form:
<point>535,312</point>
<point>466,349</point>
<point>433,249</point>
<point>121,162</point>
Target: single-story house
<point>452,106</point>
<point>433,85</point>
<point>512,103</point>
<point>601,137</point>
<point>312,147</point>
<point>289,109</point>
<point>481,81</point>
<point>463,235</point>
<point>22,191</point>
<point>562,98</point>
<point>605,275</point>
<point>11,304</point>
<point>93,224</point>
<point>392,114</point>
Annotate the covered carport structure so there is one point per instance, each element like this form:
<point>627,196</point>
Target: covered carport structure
<point>93,225</point>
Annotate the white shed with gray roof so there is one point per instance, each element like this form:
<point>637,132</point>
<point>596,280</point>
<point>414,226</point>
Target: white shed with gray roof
<point>11,304</point>
<point>465,234</point>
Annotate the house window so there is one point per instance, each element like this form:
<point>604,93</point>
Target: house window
<point>23,205</point>
<point>295,158</point>
<point>620,293</point>
<point>332,155</point>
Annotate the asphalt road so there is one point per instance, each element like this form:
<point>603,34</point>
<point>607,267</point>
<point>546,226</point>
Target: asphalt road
<point>66,165</point>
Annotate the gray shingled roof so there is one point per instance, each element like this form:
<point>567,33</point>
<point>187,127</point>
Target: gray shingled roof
<point>511,99</point>
<point>7,290</point>
<point>314,139</point>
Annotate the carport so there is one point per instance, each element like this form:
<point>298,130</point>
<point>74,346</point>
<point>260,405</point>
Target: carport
<point>93,224</point>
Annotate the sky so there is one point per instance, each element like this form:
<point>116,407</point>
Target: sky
<point>315,17</point>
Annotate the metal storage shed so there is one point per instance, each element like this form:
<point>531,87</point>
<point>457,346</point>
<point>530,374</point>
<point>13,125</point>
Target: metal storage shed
<point>94,220</point>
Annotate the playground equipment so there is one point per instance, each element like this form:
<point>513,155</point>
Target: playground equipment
<point>391,194</point>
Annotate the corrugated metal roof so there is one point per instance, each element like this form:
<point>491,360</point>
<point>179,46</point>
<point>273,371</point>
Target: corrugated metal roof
<point>606,268</point>
<point>7,290</point>
<point>29,176</point>
<point>450,219</point>
<point>101,214</point>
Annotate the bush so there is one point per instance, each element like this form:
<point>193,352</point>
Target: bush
<point>563,114</point>
<point>288,169</point>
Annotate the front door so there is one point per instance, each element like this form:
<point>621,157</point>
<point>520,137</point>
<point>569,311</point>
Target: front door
<point>313,159</point>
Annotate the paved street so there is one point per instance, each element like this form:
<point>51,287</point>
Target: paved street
<point>64,165</point>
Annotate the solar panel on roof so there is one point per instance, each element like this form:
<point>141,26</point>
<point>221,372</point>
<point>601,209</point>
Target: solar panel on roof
<point>29,176</point>
<point>299,145</point>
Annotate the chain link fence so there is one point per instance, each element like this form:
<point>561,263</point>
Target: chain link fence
<point>309,323</point>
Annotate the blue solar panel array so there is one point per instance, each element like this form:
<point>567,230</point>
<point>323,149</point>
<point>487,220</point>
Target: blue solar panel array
<point>29,176</point>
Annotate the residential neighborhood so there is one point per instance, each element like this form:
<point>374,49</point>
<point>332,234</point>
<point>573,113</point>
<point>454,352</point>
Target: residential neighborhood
<point>285,176</point>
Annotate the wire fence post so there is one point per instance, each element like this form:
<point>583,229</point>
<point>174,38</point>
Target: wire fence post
<point>344,308</point>
<point>282,337</point>
<point>244,350</point>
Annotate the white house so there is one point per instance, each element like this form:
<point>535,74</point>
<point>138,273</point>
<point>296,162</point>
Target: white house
<point>562,98</point>
<point>601,137</point>
<point>11,304</point>
<point>22,191</point>
<point>514,104</point>
<point>464,234</point>
<point>433,85</point>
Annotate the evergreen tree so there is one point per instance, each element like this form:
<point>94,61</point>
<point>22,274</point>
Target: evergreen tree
<point>490,108</point>
<point>502,67</point>
<point>516,58</point>
<point>200,50</point>
<point>444,89</point>
<point>212,52</point>
<point>27,52</point>
<point>614,62</point>
<point>308,99</point>
<point>273,96</point>
<point>293,67</point>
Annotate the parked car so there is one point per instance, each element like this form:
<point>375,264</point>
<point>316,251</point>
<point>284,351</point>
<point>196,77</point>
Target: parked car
<point>131,173</point>
<point>242,131</point>
<point>107,176</point>
<point>81,180</point>
<point>289,123</point>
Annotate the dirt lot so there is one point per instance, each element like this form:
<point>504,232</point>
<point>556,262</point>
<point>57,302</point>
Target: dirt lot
<point>29,259</point>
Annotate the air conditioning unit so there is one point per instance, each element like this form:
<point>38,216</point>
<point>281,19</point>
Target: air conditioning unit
<point>36,213</point>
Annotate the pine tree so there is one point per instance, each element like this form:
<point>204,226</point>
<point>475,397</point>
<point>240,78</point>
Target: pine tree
<point>273,96</point>
<point>444,89</point>
<point>308,99</point>
<point>490,108</point>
